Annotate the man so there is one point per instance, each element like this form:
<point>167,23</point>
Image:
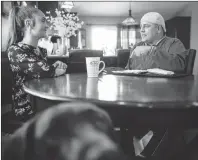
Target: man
<point>156,50</point>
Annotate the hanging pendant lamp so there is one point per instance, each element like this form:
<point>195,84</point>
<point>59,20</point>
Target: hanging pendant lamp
<point>130,20</point>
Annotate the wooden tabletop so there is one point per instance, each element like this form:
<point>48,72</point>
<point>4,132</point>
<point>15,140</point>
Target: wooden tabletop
<point>130,100</point>
<point>118,90</point>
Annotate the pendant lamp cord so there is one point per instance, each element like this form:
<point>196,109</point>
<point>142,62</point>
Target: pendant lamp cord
<point>130,15</point>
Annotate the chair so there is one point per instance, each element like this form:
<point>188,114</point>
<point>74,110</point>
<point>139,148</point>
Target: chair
<point>77,62</point>
<point>190,59</point>
<point>6,80</point>
<point>9,121</point>
<point>122,57</point>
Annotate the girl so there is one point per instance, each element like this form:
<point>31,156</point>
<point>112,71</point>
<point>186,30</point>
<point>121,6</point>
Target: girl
<point>27,61</point>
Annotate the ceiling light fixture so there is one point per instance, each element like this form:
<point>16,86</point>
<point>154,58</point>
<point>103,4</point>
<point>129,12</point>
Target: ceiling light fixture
<point>67,5</point>
<point>130,20</point>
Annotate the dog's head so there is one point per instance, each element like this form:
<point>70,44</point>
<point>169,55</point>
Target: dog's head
<point>68,131</point>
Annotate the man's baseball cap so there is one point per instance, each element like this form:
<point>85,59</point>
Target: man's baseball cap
<point>154,17</point>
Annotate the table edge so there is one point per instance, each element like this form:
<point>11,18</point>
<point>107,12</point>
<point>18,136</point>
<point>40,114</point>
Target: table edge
<point>148,105</point>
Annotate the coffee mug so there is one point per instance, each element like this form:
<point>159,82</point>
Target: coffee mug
<point>93,64</point>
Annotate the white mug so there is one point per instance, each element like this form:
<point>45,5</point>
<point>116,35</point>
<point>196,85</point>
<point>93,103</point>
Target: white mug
<point>93,64</point>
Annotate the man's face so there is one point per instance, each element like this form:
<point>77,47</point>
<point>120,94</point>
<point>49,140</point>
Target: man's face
<point>148,32</point>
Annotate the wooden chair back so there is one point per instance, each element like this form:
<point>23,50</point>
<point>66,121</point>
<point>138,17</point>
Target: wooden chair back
<point>190,59</point>
<point>122,57</point>
<point>77,62</point>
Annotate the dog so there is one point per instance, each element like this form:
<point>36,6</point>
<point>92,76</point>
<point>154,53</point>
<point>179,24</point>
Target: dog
<point>67,131</point>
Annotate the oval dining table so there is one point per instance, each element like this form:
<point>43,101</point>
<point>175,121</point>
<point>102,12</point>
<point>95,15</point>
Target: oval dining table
<point>133,102</point>
<point>129,99</point>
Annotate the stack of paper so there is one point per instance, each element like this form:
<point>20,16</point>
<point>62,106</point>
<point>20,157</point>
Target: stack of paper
<point>154,71</point>
<point>160,71</point>
<point>136,71</point>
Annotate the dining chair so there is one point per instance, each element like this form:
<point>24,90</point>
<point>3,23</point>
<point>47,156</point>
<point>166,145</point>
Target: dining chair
<point>9,123</point>
<point>77,62</point>
<point>122,57</point>
<point>190,59</point>
<point>6,80</point>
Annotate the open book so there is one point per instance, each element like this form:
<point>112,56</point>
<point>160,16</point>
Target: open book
<point>154,71</point>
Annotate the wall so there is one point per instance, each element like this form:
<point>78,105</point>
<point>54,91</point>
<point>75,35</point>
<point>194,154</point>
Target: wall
<point>194,34</point>
<point>102,20</point>
<point>186,12</point>
<point>6,6</point>
<point>192,11</point>
<point>4,33</point>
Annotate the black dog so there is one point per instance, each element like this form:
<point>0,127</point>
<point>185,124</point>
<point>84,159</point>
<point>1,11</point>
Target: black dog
<point>68,131</point>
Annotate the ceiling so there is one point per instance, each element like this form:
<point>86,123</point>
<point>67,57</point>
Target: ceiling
<point>121,8</point>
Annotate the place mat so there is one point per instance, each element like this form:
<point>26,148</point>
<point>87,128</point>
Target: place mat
<point>140,73</point>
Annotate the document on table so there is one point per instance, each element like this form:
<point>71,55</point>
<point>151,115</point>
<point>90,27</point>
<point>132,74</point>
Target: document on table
<point>136,71</point>
<point>160,71</point>
<point>154,71</point>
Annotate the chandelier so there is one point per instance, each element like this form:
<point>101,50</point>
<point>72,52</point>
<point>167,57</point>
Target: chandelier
<point>66,5</point>
<point>130,20</point>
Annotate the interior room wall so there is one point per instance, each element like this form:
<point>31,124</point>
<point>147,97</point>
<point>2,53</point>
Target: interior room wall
<point>6,7</point>
<point>192,11</point>
<point>186,12</point>
<point>4,33</point>
<point>194,34</point>
<point>101,20</point>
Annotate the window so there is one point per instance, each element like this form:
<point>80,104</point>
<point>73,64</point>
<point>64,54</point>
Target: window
<point>128,37</point>
<point>104,38</point>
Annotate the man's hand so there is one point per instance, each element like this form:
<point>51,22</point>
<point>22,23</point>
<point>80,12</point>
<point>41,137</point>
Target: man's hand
<point>141,50</point>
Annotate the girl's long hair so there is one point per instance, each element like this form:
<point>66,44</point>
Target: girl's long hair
<point>17,17</point>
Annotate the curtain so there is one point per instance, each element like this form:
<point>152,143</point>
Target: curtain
<point>88,36</point>
<point>118,46</point>
<point>124,37</point>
